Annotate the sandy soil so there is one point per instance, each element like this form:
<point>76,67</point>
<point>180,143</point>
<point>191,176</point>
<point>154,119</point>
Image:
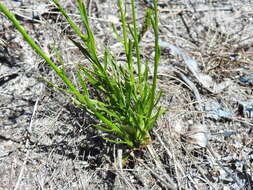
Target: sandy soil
<point>204,141</point>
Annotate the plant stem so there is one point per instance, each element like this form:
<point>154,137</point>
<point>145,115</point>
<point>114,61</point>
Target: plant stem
<point>137,48</point>
<point>157,56</point>
<point>123,20</point>
<point>70,21</point>
<point>12,18</point>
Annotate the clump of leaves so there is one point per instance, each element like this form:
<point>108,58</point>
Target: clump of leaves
<point>125,102</point>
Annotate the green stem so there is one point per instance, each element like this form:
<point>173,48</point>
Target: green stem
<point>127,43</point>
<point>12,18</point>
<point>70,21</point>
<point>157,57</point>
<point>137,49</point>
<point>123,20</point>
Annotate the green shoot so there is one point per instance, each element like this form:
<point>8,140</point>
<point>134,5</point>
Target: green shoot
<point>125,103</point>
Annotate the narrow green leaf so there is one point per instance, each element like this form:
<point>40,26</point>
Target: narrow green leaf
<point>146,24</point>
<point>82,83</point>
<point>129,143</point>
<point>70,21</point>
<point>118,37</point>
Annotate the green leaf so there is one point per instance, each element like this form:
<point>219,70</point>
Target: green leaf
<point>129,143</point>
<point>70,21</point>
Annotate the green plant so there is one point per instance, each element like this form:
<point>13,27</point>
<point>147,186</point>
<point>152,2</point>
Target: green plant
<point>125,103</point>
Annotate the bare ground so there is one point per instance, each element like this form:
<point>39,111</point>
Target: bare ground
<point>204,141</point>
